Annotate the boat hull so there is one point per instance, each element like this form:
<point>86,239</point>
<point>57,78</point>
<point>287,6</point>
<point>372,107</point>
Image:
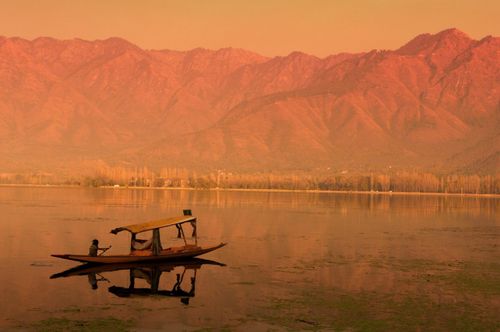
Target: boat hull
<point>114,259</point>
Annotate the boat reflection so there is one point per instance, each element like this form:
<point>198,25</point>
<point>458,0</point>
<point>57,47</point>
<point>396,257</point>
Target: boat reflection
<point>150,272</point>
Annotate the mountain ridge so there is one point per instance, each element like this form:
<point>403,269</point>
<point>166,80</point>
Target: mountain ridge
<point>427,104</point>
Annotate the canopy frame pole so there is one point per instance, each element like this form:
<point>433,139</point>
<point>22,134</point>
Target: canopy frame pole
<point>195,232</point>
<point>155,280</point>
<point>183,235</point>
<point>132,279</point>
<point>156,245</point>
<point>193,283</point>
<point>132,240</point>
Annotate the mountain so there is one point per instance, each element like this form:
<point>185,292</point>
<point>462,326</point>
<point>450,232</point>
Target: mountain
<point>431,104</point>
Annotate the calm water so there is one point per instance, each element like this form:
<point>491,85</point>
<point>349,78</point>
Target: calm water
<point>295,261</point>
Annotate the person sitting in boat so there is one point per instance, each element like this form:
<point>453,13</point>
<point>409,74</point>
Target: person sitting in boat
<point>139,244</point>
<point>94,248</point>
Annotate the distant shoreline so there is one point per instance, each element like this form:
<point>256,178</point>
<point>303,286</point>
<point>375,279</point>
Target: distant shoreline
<point>313,191</point>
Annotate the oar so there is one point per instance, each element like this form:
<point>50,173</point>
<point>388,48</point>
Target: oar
<point>102,278</point>
<point>104,251</point>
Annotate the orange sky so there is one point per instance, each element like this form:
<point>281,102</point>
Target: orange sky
<point>269,27</point>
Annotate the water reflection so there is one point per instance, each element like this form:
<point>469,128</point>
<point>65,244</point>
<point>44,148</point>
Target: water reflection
<point>93,279</point>
<point>405,204</point>
<point>335,260</point>
<point>151,273</point>
<point>101,200</point>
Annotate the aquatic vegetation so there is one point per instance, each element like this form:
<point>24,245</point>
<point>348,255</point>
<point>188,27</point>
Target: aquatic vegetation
<point>368,311</point>
<point>463,301</point>
<point>75,325</point>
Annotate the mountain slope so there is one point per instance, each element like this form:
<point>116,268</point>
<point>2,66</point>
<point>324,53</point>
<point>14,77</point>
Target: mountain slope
<point>433,104</point>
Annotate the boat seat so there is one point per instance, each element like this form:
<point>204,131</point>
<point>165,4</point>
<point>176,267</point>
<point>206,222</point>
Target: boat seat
<point>141,253</point>
<point>139,244</point>
<point>180,248</point>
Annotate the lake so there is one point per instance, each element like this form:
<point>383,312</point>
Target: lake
<point>294,261</point>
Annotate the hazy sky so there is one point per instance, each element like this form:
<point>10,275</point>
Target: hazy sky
<point>269,27</point>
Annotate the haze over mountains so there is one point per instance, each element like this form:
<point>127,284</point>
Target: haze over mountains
<point>433,104</point>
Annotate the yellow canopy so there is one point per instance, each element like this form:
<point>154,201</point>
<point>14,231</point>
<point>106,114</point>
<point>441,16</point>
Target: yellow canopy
<point>150,225</point>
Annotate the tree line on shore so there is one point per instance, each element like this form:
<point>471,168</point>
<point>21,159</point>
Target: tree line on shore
<point>394,181</point>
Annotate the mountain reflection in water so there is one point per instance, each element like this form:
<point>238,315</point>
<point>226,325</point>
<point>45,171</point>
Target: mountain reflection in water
<point>151,273</point>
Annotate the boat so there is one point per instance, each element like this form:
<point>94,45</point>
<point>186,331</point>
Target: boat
<point>151,250</point>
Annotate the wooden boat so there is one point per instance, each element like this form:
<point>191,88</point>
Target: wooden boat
<point>154,251</point>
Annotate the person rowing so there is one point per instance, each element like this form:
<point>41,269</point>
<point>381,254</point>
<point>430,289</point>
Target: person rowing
<point>94,248</point>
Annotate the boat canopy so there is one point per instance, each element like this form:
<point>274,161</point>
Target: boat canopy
<point>151,225</point>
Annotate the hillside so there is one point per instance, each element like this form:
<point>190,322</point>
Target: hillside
<point>433,104</point>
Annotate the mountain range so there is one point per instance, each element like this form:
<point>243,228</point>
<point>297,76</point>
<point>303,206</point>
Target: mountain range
<point>432,104</point>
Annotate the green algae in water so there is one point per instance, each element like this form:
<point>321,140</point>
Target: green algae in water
<point>487,284</point>
<point>461,277</point>
<point>478,277</point>
<point>313,312</point>
<point>372,311</point>
<point>472,284</point>
<point>95,325</point>
<point>248,283</point>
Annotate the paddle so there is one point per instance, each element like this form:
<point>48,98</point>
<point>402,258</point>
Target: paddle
<point>102,278</point>
<point>105,249</point>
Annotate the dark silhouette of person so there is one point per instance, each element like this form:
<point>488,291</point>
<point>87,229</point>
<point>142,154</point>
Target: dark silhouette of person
<point>94,248</point>
<point>93,279</point>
